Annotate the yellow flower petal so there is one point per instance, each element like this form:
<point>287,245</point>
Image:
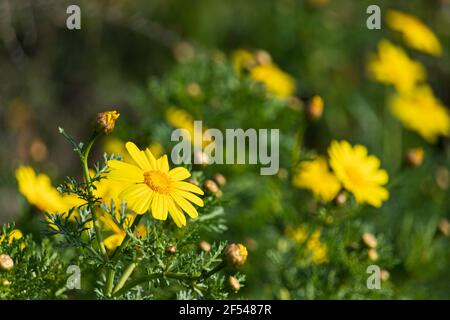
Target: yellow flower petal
<point>176,214</point>
<point>185,205</point>
<point>191,197</point>
<point>122,171</point>
<point>138,156</point>
<point>179,173</point>
<point>182,185</point>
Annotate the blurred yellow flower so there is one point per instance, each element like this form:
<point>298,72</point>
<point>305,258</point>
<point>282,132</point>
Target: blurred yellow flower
<point>359,172</point>
<point>317,249</point>
<point>155,187</point>
<point>421,111</point>
<point>116,146</point>
<point>119,233</point>
<point>275,80</point>
<point>393,66</point>
<point>181,119</point>
<point>316,176</point>
<point>415,33</point>
<point>38,190</point>
<point>299,234</point>
<point>242,60</point>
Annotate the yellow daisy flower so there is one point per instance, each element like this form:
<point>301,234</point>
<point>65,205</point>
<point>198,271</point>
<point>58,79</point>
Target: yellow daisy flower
<point>156,187</point>
<point>359,173</point>
<point>38,190</point>
<point>415,33</point>
<point>275,80</point>
<point>393,66</point>
<point>316,176</point>
<point>421,111</point>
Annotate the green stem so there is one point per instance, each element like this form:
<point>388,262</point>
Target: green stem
<point>98,235</point>
<point>87,180</point>
<point>127,237</point>
<point>126,274</point>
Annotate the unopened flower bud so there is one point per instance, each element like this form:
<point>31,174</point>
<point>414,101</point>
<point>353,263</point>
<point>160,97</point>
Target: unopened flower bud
<point>234,283</point>
<point>201,158</point>
<point>385,275</point>
<point>107,120</point>
<point>414,157</point>
<point>444,227</point>
<point>373,254</point>
<point>193,89</point>
<point>220,179</point>
<point>6,263</point>
<point>211,186</point>
<point>341,199</point>
<point>442,178</point>
<point>6,283</point>
<point>369,240</point>
<point>171,249</point>
<point>236,254</point>
<point>315,107</point>
<point>263,57</point>
<point>204,246</point>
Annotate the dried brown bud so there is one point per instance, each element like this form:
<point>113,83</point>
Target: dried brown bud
<point>220,179</point>
<point>236,254</point>
<point>414,157</point>
<point>314,109</point>
<point>444,227</point>
<point>234,283</point>
<point>211,186</point>
<point>369,240</point>
<point>204,246</point>
<point>107,120</point>
<point>171,249</point>
<point>373,254</point>
<point>6,263</point>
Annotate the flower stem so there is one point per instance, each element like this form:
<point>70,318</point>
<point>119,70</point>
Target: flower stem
<point>126,274</point>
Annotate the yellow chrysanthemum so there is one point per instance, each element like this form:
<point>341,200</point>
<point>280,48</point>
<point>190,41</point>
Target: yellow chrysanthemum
<point>38,190</point>
<point>119,233</point>
<point>316,176</point>
<point>359,173</point>
<point>156,187</point>
<point>275,80</point>
<point>415,33</point>
<point>421,111</point>
<point>393,66</point>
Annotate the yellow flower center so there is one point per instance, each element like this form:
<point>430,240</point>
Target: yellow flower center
<point>157,181</point>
